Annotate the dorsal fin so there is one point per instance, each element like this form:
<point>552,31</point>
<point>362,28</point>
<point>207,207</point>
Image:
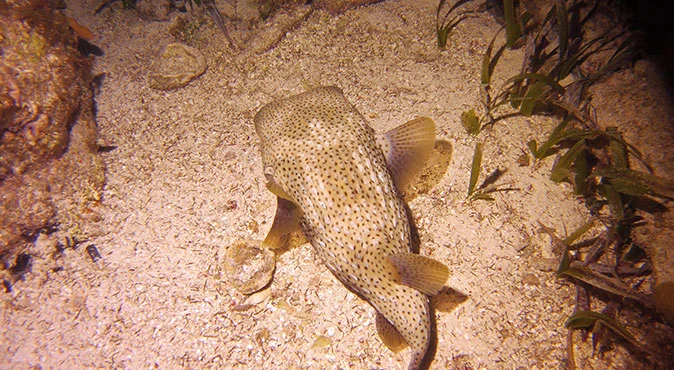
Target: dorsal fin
<point>421,273</point>
<point>407,148</point>
<point>389,335</point>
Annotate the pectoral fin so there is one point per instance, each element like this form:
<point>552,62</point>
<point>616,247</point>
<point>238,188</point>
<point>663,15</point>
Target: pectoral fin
<point>407,148</point>
<point>389,335</point>
<point>277,190</point>
<point>286,220</point>
<point>421,273</point>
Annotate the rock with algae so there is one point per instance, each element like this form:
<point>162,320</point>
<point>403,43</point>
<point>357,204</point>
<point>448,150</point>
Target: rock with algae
<point>249,266</point>
<point>50,171</point>
<point>176,66</point>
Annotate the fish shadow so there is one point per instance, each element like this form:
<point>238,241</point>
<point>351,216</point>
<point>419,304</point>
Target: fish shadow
<point>446,301</point>
<point>435,170</point>
<point>428,178</point>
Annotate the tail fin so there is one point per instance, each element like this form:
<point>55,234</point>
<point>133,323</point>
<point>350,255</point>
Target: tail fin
<point>405,319</point>
<point>421,273</point>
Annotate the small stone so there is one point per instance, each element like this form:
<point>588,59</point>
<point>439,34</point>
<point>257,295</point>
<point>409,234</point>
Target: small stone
<point>231,205</point>
<point>531,279</point>
<point>153,10</point>
<point>176,66</point>
<point>523,160</point>
<point>249,266</point>
<point>321,342</point>
<point>253,226</point>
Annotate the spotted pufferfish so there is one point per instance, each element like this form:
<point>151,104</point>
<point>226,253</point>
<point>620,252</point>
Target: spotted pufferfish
<point>338,182</point>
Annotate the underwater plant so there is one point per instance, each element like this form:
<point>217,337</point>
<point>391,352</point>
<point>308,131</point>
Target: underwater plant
<point>444,24</point>
<point>597,162</point>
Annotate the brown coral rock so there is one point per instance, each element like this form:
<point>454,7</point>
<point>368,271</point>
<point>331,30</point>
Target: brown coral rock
<point>49,169</point>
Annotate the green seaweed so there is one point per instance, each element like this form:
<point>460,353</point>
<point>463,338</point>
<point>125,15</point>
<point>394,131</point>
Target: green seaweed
<point>447,21</point>
<point>596,161</point>
<point>588,319</point>
<point>470,122</point>
<point>475,168</point>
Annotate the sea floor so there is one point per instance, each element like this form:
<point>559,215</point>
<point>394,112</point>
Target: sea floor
<point>186,182</point>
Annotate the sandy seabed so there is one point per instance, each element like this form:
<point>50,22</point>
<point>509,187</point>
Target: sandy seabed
<point>186,181</point>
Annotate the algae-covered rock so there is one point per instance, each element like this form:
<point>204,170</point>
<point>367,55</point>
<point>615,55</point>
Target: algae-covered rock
<point>249,266</point>
<point>176,66</point>
<point>50,172</point>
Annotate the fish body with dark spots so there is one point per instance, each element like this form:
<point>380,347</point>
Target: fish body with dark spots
<point>337,181</point>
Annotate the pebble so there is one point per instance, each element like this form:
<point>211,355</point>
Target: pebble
<point>249,266</point>
<point>176,66</point>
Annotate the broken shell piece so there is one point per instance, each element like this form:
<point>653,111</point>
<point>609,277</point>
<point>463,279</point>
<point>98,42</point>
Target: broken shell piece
<point>249,266</point>
<point>176,66</point>
<point>253,300</point>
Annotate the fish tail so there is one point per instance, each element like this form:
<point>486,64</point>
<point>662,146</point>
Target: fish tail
<point>407,318</point>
